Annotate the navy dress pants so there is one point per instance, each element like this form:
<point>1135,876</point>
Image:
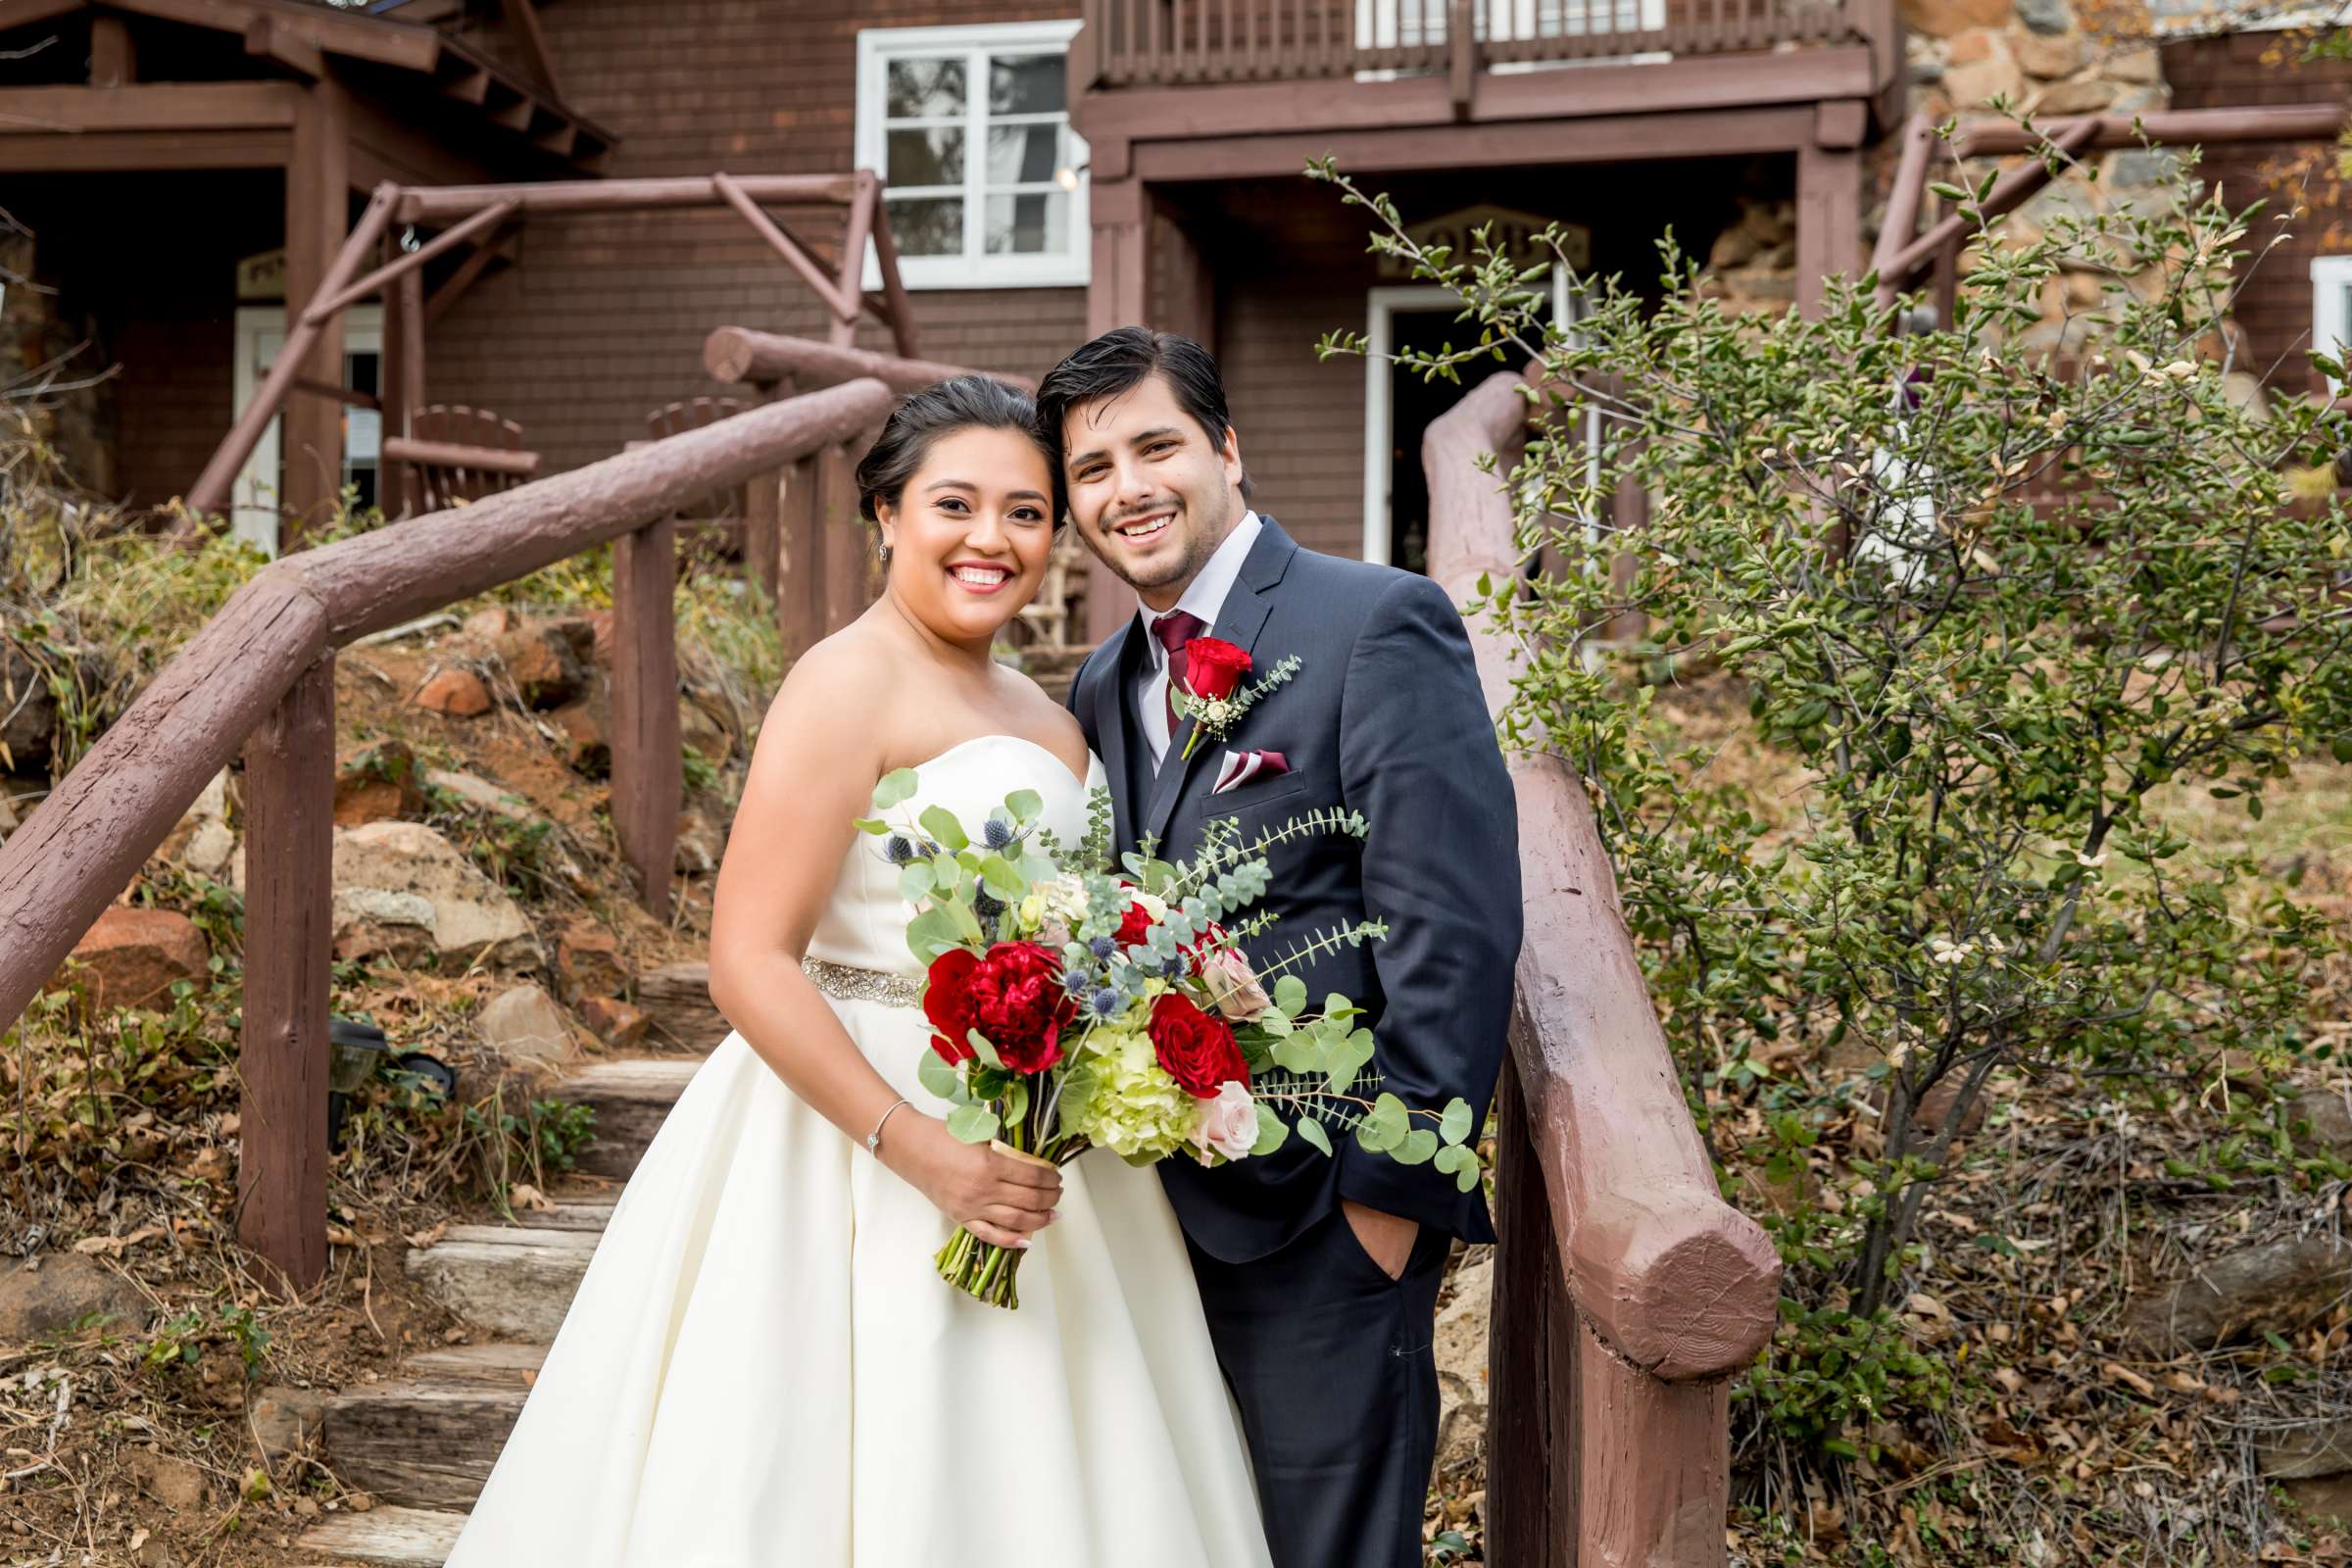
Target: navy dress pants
<point>1334,1368</point>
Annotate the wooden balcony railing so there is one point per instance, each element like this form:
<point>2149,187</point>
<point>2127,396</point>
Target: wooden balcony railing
<point>1626,1291</point>
<point>1156,43</point>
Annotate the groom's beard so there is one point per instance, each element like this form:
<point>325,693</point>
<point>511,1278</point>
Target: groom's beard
<point>1181,566</point>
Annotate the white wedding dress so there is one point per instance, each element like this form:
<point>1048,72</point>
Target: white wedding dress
<point>763,1368</point>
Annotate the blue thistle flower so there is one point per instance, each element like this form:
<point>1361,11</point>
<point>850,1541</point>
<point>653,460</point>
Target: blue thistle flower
<point>1173,968</point>
<point>996,833</point>
<point>1073,982</point>
<point>1104,947</point>
<point>986,904</point>
<point>1108,1001</point>
<point>898,849</point>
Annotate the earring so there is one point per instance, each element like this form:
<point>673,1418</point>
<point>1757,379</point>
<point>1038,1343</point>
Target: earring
<point>885,553</point>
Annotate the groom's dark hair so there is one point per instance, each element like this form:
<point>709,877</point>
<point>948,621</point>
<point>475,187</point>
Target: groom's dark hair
<point>1118,362</point>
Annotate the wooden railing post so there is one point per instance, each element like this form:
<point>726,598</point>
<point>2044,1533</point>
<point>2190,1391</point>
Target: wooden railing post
<point>1531,1372</point>
<point>289,936</point>
<point>648,771</point>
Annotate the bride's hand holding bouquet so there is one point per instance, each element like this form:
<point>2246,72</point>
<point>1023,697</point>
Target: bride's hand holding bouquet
<point>1071,1010</point>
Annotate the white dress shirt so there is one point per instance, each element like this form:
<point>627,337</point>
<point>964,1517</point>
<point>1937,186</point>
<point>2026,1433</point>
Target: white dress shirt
<point>1204,598</point>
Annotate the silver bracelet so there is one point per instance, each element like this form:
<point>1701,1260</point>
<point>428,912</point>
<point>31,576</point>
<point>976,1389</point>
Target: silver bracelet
<point>873,1140</point>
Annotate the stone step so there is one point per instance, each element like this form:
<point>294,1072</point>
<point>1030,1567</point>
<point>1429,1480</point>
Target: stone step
<point>631,1097</point>
<point>508,1279</point>
<point>398,1537</point>
<point>422,1444</point>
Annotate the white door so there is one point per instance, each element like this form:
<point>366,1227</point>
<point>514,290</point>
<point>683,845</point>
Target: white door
<point>1380,331</point>
<point>255,505</point>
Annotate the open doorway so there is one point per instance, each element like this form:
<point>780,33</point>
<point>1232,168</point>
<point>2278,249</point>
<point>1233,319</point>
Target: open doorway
<point>1399,407</point>
<point>256,508</point>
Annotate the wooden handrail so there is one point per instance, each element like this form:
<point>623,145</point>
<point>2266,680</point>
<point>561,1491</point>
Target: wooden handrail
<point>1626,1290</point>
<point>764,359</point>
<point>261,671</point>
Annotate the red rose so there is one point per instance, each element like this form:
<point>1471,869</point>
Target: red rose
<point>1135,926</point>
<point>1018,1003</point>
<point>1212,938</point>
<point>1197,1048</point>
<point>947,1004</point>
<point>1213,667</point>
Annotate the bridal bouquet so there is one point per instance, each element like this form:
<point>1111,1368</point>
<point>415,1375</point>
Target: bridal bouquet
<point>1072,1009</point>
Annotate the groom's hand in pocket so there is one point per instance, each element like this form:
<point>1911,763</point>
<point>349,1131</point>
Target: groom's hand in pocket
<point>1387,1239</point>
<point>998,1199</point>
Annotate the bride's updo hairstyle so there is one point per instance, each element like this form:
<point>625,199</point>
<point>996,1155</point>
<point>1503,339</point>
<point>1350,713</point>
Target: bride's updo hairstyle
<point>960,403</point>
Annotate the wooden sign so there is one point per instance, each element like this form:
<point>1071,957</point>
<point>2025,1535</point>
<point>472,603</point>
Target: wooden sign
<point>1513,230</point>
<point>263,276</point>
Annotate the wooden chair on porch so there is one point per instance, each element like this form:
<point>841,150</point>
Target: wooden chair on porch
<point>721,512</point>
<point>461,454</point>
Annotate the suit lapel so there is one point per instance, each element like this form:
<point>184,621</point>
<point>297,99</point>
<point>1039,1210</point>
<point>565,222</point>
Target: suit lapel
<point>1111,725</point>
<point>1239,622</point>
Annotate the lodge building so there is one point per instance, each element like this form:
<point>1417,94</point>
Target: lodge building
<point>1051,168</point>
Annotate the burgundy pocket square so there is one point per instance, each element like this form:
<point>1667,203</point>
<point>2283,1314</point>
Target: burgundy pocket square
<point>1242,768</point>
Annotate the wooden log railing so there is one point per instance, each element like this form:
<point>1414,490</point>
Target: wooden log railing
<point>823,576</point>
<point>1626,1291</point>
<point>260,676</point>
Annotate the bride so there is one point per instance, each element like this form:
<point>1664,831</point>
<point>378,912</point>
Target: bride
<point>761,1366</point>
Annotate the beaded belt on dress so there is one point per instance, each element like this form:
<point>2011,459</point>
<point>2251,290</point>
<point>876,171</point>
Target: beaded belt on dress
<point>852,984</point>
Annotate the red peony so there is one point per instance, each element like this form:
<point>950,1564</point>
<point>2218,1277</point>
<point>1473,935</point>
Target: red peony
<point>1197,1049</point>
<point>1213,667</point>
<point>1018,1003</point>
<point>947,1004</point>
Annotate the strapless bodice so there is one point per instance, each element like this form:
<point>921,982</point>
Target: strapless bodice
<point>864,921</point>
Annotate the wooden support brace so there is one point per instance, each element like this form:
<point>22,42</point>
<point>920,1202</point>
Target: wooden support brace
<point>894,291</point>
<point>648,770</point>
<point>289,952</point>
<point>856,230</point>
<point>470,270</point>
<point>783,245</point>
<point>448,238</point>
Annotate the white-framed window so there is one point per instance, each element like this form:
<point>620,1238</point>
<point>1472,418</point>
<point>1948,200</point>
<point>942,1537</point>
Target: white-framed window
<point>970,128</point>
<point>2331,306</point>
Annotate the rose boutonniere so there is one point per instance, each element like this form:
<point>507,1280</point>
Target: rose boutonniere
<point>1212,696</point>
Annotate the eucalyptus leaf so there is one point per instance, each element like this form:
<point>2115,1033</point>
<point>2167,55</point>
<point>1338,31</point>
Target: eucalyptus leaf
<point>1311,1131</point>
<point>914,881</point>
<point>940,1079</point>
<point>940,825</point>
<point>986,1047</point>
<point>972,1124</point>
<point>1025,805</point>
<point>1418,1147</point>
<point>1272,1132</point>
<point>896,789</point>
<point>1289,996</point>
<point>1454,1126</point>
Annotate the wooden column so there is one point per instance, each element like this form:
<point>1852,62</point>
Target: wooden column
<point>848,552</point>
<point>289,950</point>
<point>113,58</point>
<point>799,552</point>
<point>1118,293</point>
<point>648,772</point>
<point>318,217</point>
<point>1829,221</point>
<point>401,388</point>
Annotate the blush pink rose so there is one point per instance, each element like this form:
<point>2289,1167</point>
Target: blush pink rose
<point>1228,1124</point>
<point>1232,984</point>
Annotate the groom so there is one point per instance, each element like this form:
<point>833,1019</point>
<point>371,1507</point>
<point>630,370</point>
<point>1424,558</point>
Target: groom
<point>1319,1274</point>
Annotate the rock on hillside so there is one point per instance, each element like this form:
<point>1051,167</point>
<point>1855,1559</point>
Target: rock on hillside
<point>403,890</point>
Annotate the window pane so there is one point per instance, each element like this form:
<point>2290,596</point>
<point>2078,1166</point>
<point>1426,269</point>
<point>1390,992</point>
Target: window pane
<point>924,87</point>
<point>1023,155</point>
<point>1028,225</point>
<point>928,226</point>
<point>1027,84</point>
<point>933,157</point>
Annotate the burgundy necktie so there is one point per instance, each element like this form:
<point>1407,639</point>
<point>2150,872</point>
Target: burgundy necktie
<point>1176,630</point>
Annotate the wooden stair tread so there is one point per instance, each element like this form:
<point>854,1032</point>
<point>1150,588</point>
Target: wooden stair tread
<point>631,1097</point>
<point>399,1538</point>
<point>513,1282</point>
<point>499,1363</point>
<point>425,1443</point>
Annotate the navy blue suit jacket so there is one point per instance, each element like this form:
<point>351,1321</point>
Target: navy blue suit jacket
<point>1384,716</point>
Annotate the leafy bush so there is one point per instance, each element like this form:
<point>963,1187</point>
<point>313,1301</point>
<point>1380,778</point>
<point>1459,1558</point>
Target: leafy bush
<point>1984,603</point>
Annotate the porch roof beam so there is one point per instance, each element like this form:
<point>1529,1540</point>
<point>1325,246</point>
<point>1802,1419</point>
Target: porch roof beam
<point>149,106</point>
<point>1600,140</point>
